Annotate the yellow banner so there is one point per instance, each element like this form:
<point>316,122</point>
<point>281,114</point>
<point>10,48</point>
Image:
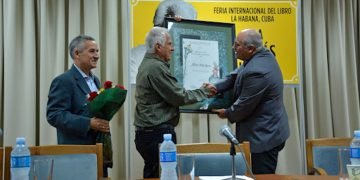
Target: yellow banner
<point>275,20</point>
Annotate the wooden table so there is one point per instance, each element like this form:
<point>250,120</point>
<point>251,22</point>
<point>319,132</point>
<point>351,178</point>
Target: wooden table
<point>294,177</point>
<point>287,177</point>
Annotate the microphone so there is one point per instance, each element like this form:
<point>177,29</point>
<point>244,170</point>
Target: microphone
<point>226,131</point>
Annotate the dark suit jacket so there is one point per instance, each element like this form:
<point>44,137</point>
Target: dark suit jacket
<point>67,110</point>
<point>258,108</point>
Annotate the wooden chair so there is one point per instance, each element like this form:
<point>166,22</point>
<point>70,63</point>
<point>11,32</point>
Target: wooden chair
<point>54,150</point>
<point>322,155</point>
<point>1,161</point>
<point>205,152</point>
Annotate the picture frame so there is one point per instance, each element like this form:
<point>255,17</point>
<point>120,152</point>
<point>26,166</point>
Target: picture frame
<point>202,53</point>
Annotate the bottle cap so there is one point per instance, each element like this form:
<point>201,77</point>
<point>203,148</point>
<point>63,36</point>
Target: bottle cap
<point>357,133</point>
<point>20,140</point>
<point>167,136</point>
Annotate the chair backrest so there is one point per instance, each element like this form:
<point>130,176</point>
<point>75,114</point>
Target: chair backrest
<point>68,159</point>
<point>322,154</point>
<point>213,159</point>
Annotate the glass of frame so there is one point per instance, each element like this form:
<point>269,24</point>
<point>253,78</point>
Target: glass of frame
<point>203,53</point>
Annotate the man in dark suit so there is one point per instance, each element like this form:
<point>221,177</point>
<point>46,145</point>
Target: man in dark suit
<point>66,107</point>
<point>258,108</point>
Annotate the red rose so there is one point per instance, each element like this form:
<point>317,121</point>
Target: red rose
<point>120,86</point>
<point>92,95</point>
<point>107,84</point>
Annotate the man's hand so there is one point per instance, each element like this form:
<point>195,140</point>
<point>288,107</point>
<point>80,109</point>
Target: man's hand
<point>98,124</point>
<point>211,88</point>
<point>220,113</point>
<point>177,18</point>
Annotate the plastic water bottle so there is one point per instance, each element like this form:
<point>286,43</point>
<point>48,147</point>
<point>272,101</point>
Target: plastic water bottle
<point>168,159</point>
<point>355,148</point>
<point>20,160</point>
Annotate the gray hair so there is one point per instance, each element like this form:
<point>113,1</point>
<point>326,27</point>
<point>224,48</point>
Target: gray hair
<point>253,38</point>
<point>171,8</point>
<point>78,43</point>
<point>156,35</point>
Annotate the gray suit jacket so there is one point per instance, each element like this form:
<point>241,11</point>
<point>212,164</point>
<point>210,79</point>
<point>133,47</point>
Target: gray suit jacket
<point>258,108</point>
<point>67,110</point>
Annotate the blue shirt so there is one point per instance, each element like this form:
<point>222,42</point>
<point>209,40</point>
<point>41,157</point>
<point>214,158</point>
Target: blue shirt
<point>89,80</point>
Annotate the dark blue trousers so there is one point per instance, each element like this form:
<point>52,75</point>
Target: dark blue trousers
<point>266,162</point>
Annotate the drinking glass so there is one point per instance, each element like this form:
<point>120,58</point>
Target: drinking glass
<point>186,167</point>
<point>43,169</point>
<point>344,160</point>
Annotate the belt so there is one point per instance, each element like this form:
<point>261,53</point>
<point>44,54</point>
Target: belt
<point>152,128</point>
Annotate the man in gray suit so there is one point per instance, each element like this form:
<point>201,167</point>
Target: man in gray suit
<point>258,108</point>
<point>66,108</point>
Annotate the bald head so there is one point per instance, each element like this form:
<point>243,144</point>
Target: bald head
<point>247,43</point>
<point>251,37</point>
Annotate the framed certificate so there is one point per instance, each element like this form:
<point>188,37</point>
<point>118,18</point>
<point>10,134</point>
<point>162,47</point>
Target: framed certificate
<point>203,53</point>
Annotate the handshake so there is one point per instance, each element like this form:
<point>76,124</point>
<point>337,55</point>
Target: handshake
<point>211,88</point>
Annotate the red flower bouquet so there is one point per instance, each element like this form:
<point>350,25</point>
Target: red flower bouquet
<point>104,104</point>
